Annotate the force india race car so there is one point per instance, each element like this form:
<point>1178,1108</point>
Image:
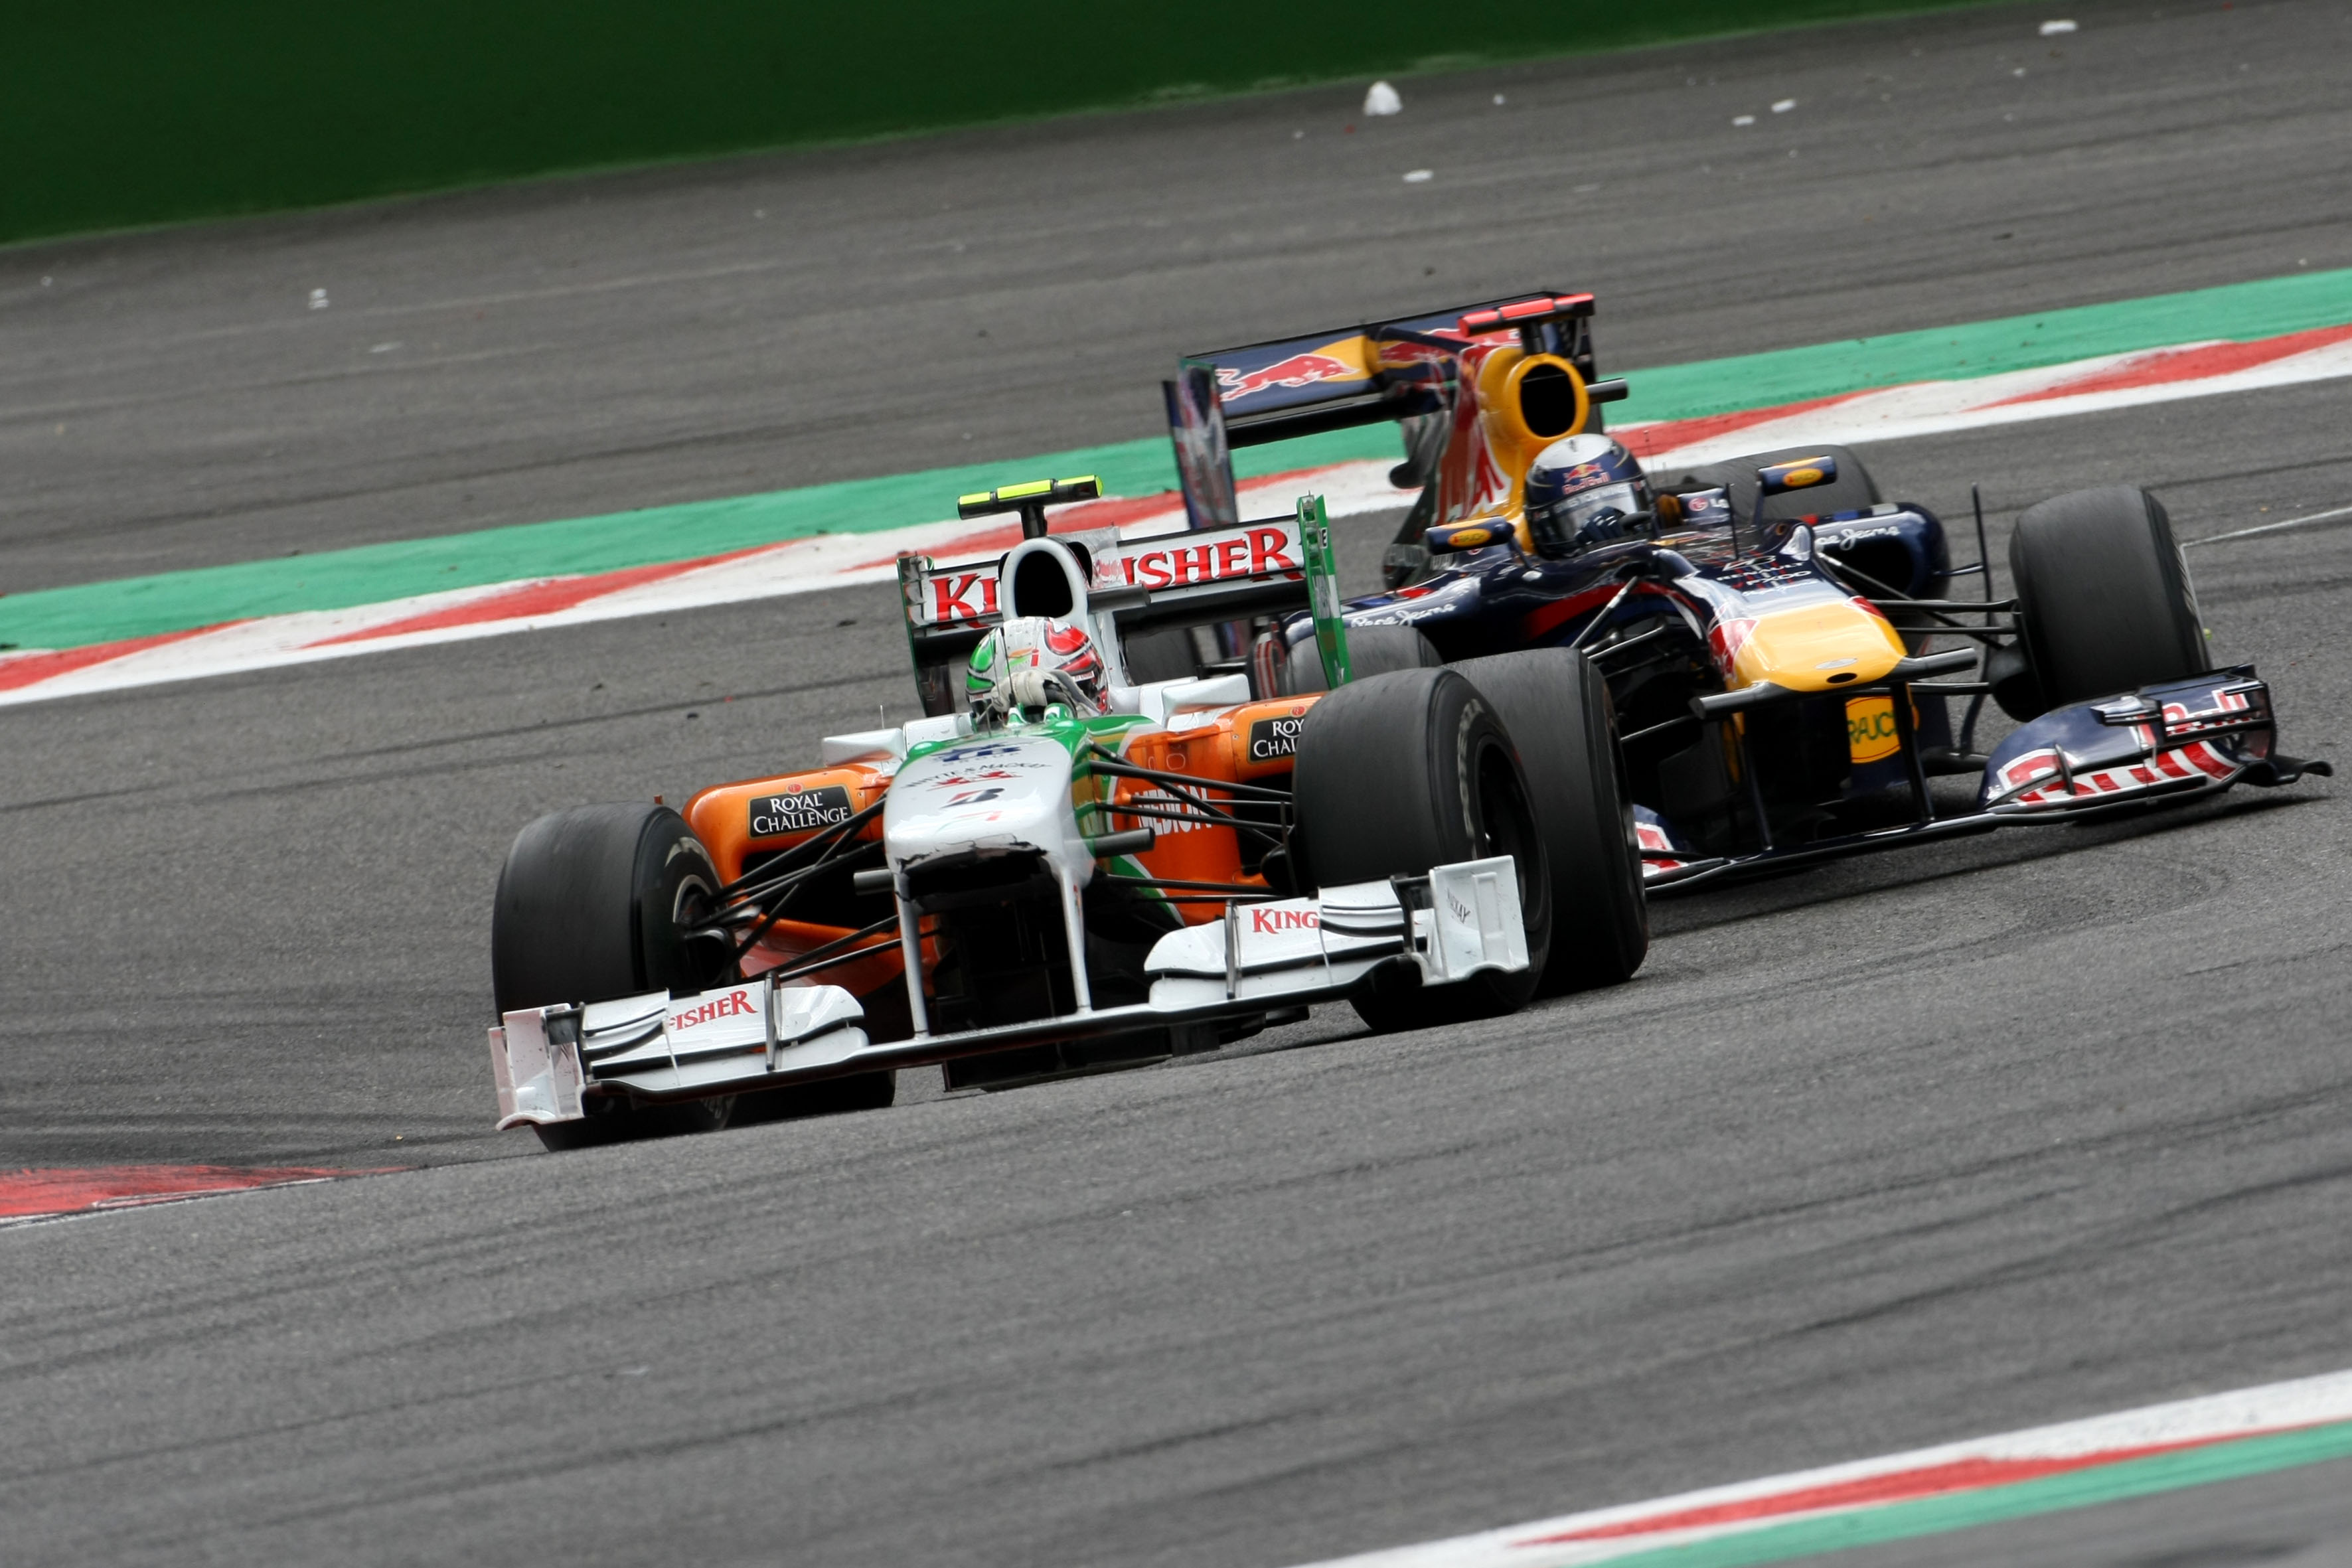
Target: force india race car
<point>1075,868</point>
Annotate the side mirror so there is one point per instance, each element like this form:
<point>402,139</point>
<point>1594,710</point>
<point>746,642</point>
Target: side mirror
<point>1454,536</point>
<point>1802,473</point>
<point>1696,509</point>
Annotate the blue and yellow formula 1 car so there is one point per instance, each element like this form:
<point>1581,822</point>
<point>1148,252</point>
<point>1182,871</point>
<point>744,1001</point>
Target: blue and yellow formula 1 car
<point>1780,644</point>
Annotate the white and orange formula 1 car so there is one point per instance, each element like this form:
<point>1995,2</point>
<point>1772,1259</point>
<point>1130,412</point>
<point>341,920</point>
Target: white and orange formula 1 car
<point>1074,867</point>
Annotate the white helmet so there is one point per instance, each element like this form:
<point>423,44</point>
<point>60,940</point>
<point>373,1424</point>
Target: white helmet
<point>1031,662</point>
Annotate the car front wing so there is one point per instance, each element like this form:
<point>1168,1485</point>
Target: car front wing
<point>1456,921</point>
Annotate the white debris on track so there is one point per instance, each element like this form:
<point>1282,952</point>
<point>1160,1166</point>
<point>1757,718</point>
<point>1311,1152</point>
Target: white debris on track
<point>1382,99</point>
<point>1743,120</point>
<point>317,299</point>
<point>1419,177</point>
<point>2051,29</point>
<point>1785,105</point>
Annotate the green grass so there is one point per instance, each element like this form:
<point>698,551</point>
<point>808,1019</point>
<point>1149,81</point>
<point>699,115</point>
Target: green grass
<point>123,112</point>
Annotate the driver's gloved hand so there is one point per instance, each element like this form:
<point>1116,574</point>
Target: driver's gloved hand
<point>1603,526</point>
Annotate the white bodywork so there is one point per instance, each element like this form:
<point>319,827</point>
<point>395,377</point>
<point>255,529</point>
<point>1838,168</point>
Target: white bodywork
<point>1001,791</point>
<point>662,1046</point>
<point>1458,921</point>
<point>1010,789</point>
<point>1267,954</point>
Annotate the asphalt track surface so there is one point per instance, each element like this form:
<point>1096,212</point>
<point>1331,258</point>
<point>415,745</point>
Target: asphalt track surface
<point>586,346</point>
<point>1883,1154</point>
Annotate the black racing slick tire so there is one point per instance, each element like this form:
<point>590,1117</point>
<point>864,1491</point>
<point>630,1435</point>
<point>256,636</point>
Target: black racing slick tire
<point>1371,650</point>
<point>1556,708</point>
<point>1397,773</point>
<point>593,903</point>
<point>2104,597</point>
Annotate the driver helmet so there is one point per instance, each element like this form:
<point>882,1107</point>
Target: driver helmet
<point>1030,661</point>
<point>1584,491</point>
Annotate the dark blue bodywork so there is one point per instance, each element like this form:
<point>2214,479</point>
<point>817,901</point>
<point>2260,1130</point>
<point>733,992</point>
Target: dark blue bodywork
<point>1719,789</point>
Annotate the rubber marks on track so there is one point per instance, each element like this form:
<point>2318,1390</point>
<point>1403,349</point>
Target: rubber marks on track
<point>2106,1459</point>
<point>26,1195</point>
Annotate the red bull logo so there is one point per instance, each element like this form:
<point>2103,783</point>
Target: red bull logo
<point>1299,370</point>
<point>1725,639</point>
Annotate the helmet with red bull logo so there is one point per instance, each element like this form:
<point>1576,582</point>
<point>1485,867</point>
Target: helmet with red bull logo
<point>1585,490</point>
<point>1032,661</point>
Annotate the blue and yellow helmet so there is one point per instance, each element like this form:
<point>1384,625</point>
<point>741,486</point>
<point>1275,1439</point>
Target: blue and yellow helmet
<point>1585,490</point>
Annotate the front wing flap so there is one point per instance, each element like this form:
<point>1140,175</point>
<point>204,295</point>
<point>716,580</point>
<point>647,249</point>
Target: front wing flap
<point>2175,741</point>
<point>1461,919</point>
<point>2184,737</point>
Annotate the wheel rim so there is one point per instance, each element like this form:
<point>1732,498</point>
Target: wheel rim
<point>691,908</point>
<point>1507,827</point>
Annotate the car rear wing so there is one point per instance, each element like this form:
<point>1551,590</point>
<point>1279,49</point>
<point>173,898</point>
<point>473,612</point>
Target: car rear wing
<point>1426,372</point>
<point>1382,370</point>
<point>1203,578</point>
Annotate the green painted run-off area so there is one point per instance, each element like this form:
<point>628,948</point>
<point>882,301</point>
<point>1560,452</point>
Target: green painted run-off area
<point>106,612</point>
<point>2086,1487</point>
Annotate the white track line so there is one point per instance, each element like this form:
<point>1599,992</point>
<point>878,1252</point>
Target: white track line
<point>1939,407</point>
<point>796,566</point>
<point>2330,516</point>
<point>832,561</point>
<point>2272,1408</point>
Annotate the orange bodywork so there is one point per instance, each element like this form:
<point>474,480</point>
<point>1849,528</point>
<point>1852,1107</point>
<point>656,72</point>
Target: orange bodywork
<point>745,823</point>
<point>725,817</point>
<point>1196,852</point>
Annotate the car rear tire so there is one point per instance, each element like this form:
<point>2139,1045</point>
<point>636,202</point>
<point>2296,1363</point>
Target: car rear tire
<point>2104,599</point>
<point>1371,650</point>
<point>1397,773</point>
<point>1556,707</point>
<point>592,905</point>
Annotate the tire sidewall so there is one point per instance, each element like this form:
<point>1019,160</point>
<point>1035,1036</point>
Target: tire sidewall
<point>592,904</point>
<point>1368,808</point>
<point>1558,708</point>
<point>676,888</point>
<point>2105,601</point>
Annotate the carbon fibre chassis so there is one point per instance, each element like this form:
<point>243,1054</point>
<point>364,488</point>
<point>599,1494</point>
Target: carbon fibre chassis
<point>2164,745</point>
<point>1438,928</point>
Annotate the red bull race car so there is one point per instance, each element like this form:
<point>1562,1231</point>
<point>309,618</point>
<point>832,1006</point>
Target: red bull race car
<point>1780,643</point>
